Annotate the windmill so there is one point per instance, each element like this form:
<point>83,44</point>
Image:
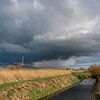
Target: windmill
<point>20,64</point>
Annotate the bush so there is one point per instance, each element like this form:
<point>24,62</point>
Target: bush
<point>95,70</point>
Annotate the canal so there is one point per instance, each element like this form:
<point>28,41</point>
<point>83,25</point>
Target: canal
<point>82,91</point>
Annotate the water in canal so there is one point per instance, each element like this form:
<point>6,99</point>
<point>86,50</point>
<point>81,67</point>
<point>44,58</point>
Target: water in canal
<point>82,91</point>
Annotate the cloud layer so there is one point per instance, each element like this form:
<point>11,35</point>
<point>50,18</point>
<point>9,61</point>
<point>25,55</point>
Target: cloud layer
<point>50,29</point>
<point>56,63</point>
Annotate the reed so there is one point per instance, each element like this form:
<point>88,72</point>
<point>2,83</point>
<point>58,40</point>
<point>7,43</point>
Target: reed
<point>7,75</point>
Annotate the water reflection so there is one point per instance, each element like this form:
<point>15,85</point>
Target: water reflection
<point>79,92</point>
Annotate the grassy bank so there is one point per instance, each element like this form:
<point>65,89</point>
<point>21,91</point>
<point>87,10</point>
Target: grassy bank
<point>97,90</point>
<point>38,88</point>
<point>52,86</point>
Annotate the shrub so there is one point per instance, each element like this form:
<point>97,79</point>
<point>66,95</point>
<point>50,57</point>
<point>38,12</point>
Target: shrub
<point>95,70</point>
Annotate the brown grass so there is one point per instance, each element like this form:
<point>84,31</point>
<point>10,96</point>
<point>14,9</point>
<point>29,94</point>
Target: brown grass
<point>95,70</point>
<point>7,75</point>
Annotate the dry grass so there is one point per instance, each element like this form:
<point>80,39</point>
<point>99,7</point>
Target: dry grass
<point>16,75</point>
<point>95,70</point>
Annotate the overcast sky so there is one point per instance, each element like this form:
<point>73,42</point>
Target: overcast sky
<point>54,30</point>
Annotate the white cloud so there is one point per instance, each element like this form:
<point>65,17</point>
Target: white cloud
<point>75,62</point>
<point>56,63</point>
<point>15,4</point>
<point>37,5</point>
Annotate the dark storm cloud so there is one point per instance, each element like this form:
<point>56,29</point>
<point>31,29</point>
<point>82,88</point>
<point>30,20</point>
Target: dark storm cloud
<point>50,29</point>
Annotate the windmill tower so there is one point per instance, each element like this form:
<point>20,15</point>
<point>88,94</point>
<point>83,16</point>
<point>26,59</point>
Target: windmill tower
<point>22,63</point>
<point>22,60</point>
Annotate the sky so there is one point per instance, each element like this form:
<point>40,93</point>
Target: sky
<point>50,32</point>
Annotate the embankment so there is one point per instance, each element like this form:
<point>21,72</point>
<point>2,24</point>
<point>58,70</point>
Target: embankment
<point>97,90</point>
<point>38,88</point>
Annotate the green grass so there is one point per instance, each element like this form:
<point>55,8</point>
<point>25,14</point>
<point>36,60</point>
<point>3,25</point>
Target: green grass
<point>55,88</point>
<point>10,92</point>
<point>37,93</point>
<point>82,75</point>
<point>7,85</point>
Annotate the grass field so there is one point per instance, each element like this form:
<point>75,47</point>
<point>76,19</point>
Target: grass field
<point>17,75</point>
<point>36,88</point>
<point>35,84</point>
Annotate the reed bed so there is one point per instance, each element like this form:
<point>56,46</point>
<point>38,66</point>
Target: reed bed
<point>7,75</point>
